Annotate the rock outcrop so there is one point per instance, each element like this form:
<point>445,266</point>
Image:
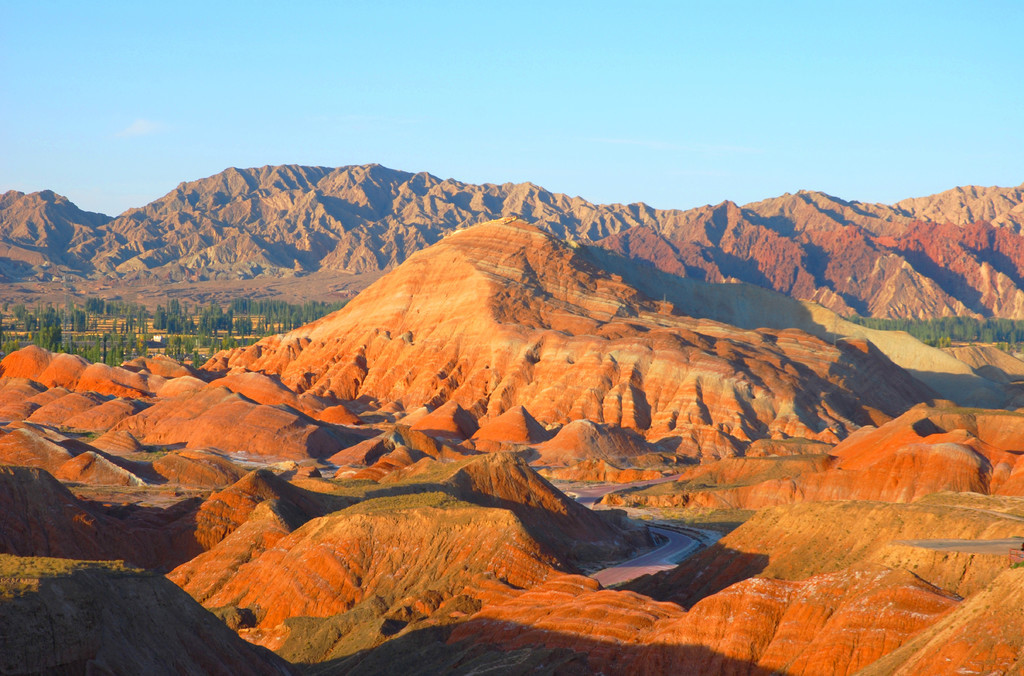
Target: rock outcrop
<point>600,470</point>
<point>217,418</point>
<point>455,545</point>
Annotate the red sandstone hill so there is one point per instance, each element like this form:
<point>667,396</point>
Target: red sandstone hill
<point>882,260</point>
<point>924,451</point>
<point>433,545</point>
<point>794,542</point>
<point>768,626</point>
<point>249,413</point>
<point>504,315</point>
<point>216,418</point>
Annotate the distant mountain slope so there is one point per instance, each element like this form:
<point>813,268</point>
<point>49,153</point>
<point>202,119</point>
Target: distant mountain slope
<point>957,252</point>
<point>45,229</point>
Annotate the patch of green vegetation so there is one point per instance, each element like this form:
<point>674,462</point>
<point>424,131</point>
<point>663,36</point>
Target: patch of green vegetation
<point>1004,504</point>
<point>21,574</point>
<point>46,566</point>
<point>111,331</point>
<point>436,472</point>
<point>314,639</point>
<point>413,500</point>
<point>944,331</point>
<point>344,488</point>
<point>722,521</point>
<point>81,435</point>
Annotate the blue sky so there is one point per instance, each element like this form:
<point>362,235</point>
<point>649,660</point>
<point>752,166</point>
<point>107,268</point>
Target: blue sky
<point>673,104</point>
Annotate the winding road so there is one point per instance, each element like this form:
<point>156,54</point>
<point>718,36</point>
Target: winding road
<point>1001,546</point>
<point>676,546</point>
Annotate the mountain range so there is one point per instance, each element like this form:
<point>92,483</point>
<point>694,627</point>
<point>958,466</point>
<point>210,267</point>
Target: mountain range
<point>959,252</point>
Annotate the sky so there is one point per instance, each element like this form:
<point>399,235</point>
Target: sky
<point>675,104</point>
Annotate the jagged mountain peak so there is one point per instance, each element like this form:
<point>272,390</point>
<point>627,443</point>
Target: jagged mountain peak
<point>370,218</point>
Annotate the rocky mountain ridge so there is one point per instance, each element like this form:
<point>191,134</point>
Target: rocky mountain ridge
<point>957,252</point>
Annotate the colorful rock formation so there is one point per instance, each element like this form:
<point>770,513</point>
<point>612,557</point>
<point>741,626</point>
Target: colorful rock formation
<point>503,315</point>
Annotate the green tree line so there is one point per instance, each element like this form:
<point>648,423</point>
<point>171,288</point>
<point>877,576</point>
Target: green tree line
<point>112,331</point>
<point>944,331</point>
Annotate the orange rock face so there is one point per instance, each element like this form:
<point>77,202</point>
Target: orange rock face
<point>57,411</point>
<point>104,416</point>
<point>795,542</point>
<point>419,444</point>
<point>400,458</point>
<point>287,580</point>
<point>981,635</point>
<point>924,451</point>
<point>118,442</point>
<point>226,510</point>
<point>514,426</point>
<point>506,480</point>
<point>26,448</point>
<point>449,421</point>
<point>338,415</point>
<point>216,418</point>
<point>68,460</point>
<point>15,395</point>
<point>261,389</point>
<point>600,470</point>
<point>196,468</point>
<point>74,373</point>
<point>494,526</point>
<point>503,315</point>
<point>93,468</point>
<point>159,365</point>
<point>835,623</point>
<point>581,440</point>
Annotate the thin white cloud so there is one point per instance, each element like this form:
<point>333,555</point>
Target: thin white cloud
<point>660,145</point>
<point>140,127</point>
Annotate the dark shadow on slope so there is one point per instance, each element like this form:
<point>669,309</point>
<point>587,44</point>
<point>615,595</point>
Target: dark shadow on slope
<point>950,282</point>
<point>575,538</point>
<point>703,574</point>
<point>426,651</point>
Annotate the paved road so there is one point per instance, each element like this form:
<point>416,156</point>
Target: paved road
<point>676,548</point>
<point>1001,547</point>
